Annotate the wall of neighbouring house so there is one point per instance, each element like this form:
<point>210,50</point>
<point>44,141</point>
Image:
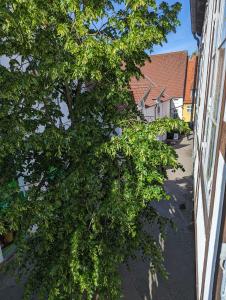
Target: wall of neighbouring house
<point>209,150</point>
<point>187,112</point>
<point>171,108</point>
<point>6,241</point>
<point>151,113</point>
<point>165,109</point>
<point>176,108</point>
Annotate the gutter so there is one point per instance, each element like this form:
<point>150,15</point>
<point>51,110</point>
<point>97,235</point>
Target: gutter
<point>197,10</point>
<point>197,39</point>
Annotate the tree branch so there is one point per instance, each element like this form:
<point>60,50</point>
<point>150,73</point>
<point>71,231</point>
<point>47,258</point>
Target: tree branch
<point>70,100</point>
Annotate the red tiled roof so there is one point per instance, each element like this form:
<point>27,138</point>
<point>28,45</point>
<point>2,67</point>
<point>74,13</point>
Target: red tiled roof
<point>164,72</point>
<point>190,81</point>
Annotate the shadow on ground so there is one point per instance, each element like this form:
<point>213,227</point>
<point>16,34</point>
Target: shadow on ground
<point>138,282</point>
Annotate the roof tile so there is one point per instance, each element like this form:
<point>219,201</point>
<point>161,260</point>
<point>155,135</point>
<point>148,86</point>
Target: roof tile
<point>190,81</point>
<point>164,72</point>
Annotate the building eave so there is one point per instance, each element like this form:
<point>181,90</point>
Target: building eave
<point>198,8</point>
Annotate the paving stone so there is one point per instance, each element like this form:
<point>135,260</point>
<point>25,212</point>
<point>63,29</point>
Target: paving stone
<point>138,283</point>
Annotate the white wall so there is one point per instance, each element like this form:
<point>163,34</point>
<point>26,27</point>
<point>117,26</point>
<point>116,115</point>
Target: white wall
<point>200,226</point>
<point>177,104</point>
<point>218,195</point>
<point>201,238</point>
<point>149,113</point>
<point>204,66</point>
<point>4,61</point>
<point>215,227</point>
<point>166,109</point>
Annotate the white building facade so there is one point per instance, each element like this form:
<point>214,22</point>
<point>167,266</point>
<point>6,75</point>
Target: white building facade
<point>209,28</point>
<point>157,111</point>
<point>160,91</point>
<point>172,108</point>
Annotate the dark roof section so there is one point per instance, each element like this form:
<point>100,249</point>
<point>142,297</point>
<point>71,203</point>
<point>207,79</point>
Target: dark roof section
<point>165,73</point>
<point>190,80</point>
<point>198,8</point>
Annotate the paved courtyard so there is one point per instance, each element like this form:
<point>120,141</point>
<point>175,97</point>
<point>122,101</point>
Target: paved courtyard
<point>138,283</point>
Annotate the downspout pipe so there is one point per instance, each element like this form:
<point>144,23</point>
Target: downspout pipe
<point>197,39</point>
<point>195,86</point>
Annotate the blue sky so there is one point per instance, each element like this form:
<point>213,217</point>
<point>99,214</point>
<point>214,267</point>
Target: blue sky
<point>182,39</point>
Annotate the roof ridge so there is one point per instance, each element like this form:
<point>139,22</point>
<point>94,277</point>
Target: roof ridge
<point>168,53</point>
<point>156,84</point>
<point>167,72</point>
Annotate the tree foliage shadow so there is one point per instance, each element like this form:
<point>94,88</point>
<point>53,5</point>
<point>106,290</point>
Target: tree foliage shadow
<point>138,282</point>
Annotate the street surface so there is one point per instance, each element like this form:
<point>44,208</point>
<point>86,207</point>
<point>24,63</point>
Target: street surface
<point>138,283</point>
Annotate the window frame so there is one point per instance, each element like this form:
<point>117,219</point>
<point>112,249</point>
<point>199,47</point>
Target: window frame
<point>216,79</point>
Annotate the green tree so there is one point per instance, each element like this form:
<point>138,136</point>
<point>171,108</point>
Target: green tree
<point>89,190</point>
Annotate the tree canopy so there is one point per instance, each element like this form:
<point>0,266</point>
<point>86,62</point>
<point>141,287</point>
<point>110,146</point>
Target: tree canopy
<point>64,78</point>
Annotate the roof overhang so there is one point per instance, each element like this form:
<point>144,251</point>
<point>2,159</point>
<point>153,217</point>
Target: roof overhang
<point>198,8</point>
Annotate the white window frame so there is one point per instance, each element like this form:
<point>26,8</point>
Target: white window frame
<point>218,22</point>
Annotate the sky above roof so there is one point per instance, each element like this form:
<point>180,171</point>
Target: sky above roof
<point>183,38</point>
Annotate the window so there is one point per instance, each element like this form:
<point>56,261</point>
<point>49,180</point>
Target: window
<point>210,88</point>
<point>223,267</point>
<point>223,33</point>
<point>189,108</point>
<point>213,113</point>
<point>175,114</point>
<point>223,286</point>
<point>215,88</point>
<point>213,118</point>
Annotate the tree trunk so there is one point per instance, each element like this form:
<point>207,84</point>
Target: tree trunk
<point>69,101</point>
